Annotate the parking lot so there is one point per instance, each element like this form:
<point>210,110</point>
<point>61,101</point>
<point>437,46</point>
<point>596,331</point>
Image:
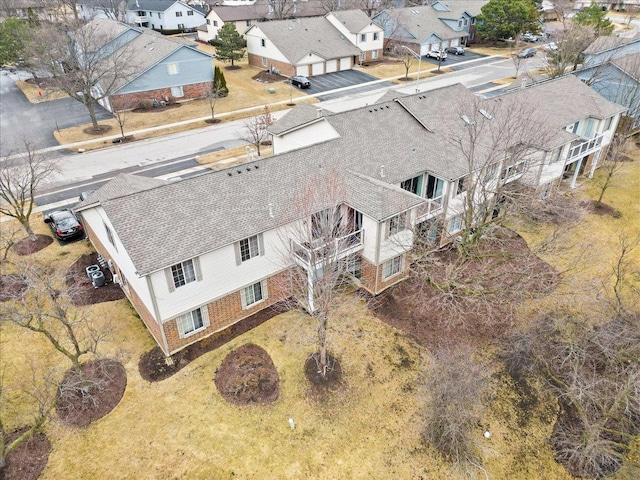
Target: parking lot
<point>452,60</point>
<point>335,80</point>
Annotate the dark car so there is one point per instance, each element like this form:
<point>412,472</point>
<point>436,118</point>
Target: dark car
<point>300,81</point>
<point>456,50</point>
<point>527,52</point>
<point>64,224</point>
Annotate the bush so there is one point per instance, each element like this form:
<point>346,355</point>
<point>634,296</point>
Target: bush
<point>215,42</point>
<point>219,83</point>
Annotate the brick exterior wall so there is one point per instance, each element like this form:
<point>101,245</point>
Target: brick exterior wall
<point>285,68</point>
<point>371,278</point>
<point>384,284</point>
<point>368,56</point>
<point>368,277</point>
<point>144,314</point>
<point>226,311</point>
<point>130,101</point>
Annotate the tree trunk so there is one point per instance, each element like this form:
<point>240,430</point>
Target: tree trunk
<point>92,112</point>
<point>322,340</point>
<point>27,226</point>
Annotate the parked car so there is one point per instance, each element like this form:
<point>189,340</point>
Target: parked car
<point>529,37</point>
<point>64,224</point>
<point>550,47</point>
<point>527,52</point>
<point>437,54</point>
<point>300,81</point>
<point>456,50</point>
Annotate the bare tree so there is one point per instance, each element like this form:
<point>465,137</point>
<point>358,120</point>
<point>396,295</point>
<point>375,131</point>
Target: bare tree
<point>43,399</point>
<point>626,294</point>
<point>281,9</point>
<point>405,57</point>
<point>631,13</point>
<point>46,308</point>
<point>319,255</point>
<point>113,9</point>
<point>571,43</point>
<point>86,62</point>
<point>613,163</point>
<point>458,391</point>
<point>20,176</point>
<point>255,128</point>
<point>562,9</point>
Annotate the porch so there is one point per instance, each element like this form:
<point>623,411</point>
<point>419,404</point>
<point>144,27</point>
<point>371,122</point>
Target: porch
<point>318,252</point>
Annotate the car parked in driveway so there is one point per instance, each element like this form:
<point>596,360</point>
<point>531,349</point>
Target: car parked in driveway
<point>64,224</point>
<point>529,37</point>
<point>437,54</point>
<point>550,47</point>
<point>527,52</point>
<point>300,81</point>
<point>456,50</point>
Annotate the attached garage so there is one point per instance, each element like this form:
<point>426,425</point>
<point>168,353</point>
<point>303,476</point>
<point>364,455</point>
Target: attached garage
<point>317,69</point>
<point>331,66</point>
<point>302,70</point>
<point>345,63</point>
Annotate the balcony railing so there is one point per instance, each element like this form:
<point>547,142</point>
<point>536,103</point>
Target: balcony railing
<point>140,19</point>
<point>432,207</point>
<point>584,148</point>
<point>316,252</point>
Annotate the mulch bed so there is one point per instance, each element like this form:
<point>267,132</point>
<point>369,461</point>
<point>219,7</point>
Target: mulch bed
<point>11,286</point>
<point>97,131</point>
<point>82,291</point>
<point>266,77</point>
<point>603,209</point>
<point>248,376</point>
<point>26,246</point>
<point>430,315</point>
<point>153,366</point>
<point>27,460</point>
<point>100,387</point>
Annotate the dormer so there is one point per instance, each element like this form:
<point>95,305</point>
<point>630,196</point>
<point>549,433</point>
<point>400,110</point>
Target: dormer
<point>301,127</point>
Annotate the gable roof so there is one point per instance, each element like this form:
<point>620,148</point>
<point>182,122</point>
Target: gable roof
<point>629,64</point>
<point>302,114</point>
<point>354,20</point>
<point>121,185</point>
<point>606,43</point>
<point>458,7</point>
<point>297,38</point>
<point>422,22</point>
<point>152,5</point>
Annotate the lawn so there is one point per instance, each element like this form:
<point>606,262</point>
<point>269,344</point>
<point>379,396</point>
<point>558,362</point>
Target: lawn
<point>369,428</point>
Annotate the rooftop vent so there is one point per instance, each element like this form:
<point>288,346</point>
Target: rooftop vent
<point>486,114</point>
<point>271,213</point>
<point>466,120</point>
<point>230,174</point>
<point>382,173</point>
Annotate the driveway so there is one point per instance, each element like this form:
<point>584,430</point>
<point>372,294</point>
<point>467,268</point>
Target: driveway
<point>457,62</point>
<point>20,119</point>
<point>346,78</point>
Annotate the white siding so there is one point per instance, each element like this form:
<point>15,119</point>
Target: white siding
<point>169,20</point>
<point>254,46</point>
<point>315,133</point>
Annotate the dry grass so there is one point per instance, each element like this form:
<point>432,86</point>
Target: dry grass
<point>370,429</point>
<point>391,68</point>
<point>229,157</point>
<point>36,94</point>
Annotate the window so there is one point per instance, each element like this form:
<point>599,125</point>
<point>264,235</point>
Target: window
<point>607,125</point>
<point>215,23</point>
<point>190,13</point>
<point>455,224</point>
<point>435,187</point>
<point>588,129</point>
<point>177,91</point>
<point>208,22</point>
<point>159,15</point>
<point>263,43</point>
<point>512,171</point>
<point>376,36</point>
<point>459,23</point>
<point>178,14</point>
<point>150,14</point>
<point>374,54</point>
<point>461,185</point>
<point>249,248</point>
<point>413,185</point>
<point>181,25</point>
<point>248,23</point>
<point>264,61</point>
<point>466,22</point>
<point>363,37</point>
<point>397,224</point>
<point>173,68</point>
<point>490,172</point>
<point>575,126</point>
<point>362,56</point>
<point>473,21</point>
<point>392,267</point>
<point>192,322</point>
<point>555,155</point>
<point>110,236</point>
<point>253,294</point>
<point>183,273</point>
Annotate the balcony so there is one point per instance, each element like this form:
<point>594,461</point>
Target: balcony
<point>584,148</point>
<point>431,208</point>
<point>317,252</point>
<point>140,19</point>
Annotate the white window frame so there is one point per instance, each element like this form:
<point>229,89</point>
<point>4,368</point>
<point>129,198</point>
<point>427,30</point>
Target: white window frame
<point>192,322</point>
<point>178,14</point>
<point>215,23</point>
<point>264,61</point>
<point>392,267</point>
<point>208,21</point>
<point>362,56</point>
<point>461,185</point>
<point>189,13</point>
<point>376,36</point>
<point>511,172</point>
<point>607,126</point>
<point>249,297</point>
<point>183,273</point>
<point>363,37</point>
<point>173,68</point>
<point>263,42</point>
<point>177,91</point>
<point>374,54</point>
<point>253,245</point>
<point>555,155</point>
<point>397,224</point>
<point>455,224</point>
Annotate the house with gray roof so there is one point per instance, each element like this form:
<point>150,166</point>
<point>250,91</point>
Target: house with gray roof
<point>425,28</point>
<point>316,45</point>
<point>165,68</point>
<point>198,255</point>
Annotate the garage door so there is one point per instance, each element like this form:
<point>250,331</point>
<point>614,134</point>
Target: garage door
<point>332,66</point>
<point>345,63</point>
<point>317,69</point>
<point>302,70</point>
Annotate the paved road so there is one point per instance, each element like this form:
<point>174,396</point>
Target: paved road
<point>21,119</point>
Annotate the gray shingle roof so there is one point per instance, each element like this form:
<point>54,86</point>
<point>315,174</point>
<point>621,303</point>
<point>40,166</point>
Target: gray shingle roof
<point>630,64</point>
<point>605,43</point>
<point>119,186</point>
<point>150,5</point>
<point>422,22</point>
<point>458,7</point>
<point>353,20</point>
<point>301,114</point>
<point>164,225</point>
<point>297,38</point>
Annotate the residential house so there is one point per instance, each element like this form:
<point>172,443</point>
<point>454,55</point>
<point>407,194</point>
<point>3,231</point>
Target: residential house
<point>165,68</point>
<point>201,254</point>
<point>423,28</point>
<point>615,5</point>
<point>618,80</point>
<point>33,10</point>
<point>161,15</point>
<point>460,15</point>
<point>316,45</point>
<point>606,48</point>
